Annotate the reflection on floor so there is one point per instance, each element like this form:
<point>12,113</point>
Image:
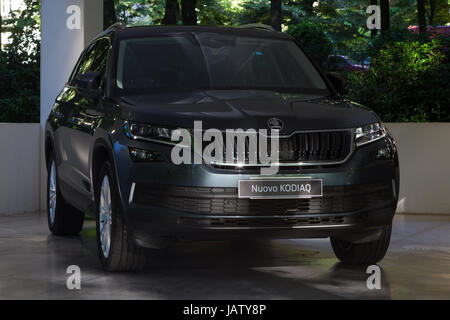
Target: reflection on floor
<point>33,265</point>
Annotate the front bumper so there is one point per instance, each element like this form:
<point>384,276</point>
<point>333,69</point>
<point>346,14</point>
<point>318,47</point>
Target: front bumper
<point>216,213</point>
<point>200,202</point>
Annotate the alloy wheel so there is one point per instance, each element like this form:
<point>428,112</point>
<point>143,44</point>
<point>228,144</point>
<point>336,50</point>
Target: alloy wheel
<point>52,193</point>
<point>105,216</point>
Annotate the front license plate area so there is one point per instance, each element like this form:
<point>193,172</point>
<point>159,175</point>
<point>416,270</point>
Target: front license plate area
<point>283,188</point>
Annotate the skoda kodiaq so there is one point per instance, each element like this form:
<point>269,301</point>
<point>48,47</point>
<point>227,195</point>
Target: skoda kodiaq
<point>109,146</point>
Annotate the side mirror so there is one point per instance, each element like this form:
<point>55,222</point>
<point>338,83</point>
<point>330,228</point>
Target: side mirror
<point>89,81</point>
<point>338,82</point>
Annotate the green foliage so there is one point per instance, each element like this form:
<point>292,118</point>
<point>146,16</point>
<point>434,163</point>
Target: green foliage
<point>140,12</point>
<point>341,23</point>
<point>253,11</point>
<point>215,12</point>
<point>145,12</point>
<point>407,81</point>
<point>19,68</point>
<point>404,12</point>
<point>442,12</point>
<point>313,39</point>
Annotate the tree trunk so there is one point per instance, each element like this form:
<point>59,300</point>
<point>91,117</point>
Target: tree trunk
<point>432,12</point>
<point>384,10</point>
<point>172,12</point>
<point>374,31</point>
<point>421,16</point>
<point>1,31</point>
<point>275,14</point>
<point>109,13</point>
<point>188,13</point>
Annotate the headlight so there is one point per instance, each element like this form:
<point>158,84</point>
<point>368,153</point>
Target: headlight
<point>137,130</point>
<point>369,133</point>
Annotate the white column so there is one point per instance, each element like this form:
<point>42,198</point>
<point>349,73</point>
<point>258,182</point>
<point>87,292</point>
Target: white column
<point>67,26</point>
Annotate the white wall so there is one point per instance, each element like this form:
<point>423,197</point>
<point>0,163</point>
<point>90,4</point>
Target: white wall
<point>19,167</point>
<point>424,152</point>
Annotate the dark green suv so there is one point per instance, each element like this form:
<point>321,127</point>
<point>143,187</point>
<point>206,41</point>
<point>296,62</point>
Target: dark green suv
<point>110,140</point>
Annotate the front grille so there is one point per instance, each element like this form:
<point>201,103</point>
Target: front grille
<point>320,147</point>
<point>316,146</point>
<point>224,201</point>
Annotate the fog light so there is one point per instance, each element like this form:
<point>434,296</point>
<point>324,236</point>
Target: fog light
<point>384,153</point>
<point>144,155</point>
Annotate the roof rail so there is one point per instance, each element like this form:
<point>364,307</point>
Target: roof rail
<point>257,26</point>
<point>116,26</point>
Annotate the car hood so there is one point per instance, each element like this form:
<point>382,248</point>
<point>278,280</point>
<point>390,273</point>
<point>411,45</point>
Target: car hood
<point>226,109</point>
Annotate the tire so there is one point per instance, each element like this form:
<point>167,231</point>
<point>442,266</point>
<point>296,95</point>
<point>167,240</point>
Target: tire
<point>117,248</point>
<point>63,219</point>
<point>362,253</point>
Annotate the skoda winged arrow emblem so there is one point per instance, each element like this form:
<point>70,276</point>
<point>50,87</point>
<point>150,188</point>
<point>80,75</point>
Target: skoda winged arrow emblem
<point>275,124</point>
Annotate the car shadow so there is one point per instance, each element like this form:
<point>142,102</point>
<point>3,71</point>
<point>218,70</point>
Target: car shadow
<point>239,269</point>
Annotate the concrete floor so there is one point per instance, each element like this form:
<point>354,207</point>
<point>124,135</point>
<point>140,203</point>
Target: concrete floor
<point>33,266</point>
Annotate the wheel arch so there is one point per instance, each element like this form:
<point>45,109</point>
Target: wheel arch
<point>101,152</point>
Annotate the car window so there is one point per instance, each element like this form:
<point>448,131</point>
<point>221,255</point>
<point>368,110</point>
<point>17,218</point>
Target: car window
<point>162,62</point>
<point>85,62</point>
<point>101,58</point>
<point>213,61</point>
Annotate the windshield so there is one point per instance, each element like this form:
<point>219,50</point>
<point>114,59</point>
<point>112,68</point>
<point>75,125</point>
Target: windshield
<point>214,61</point>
